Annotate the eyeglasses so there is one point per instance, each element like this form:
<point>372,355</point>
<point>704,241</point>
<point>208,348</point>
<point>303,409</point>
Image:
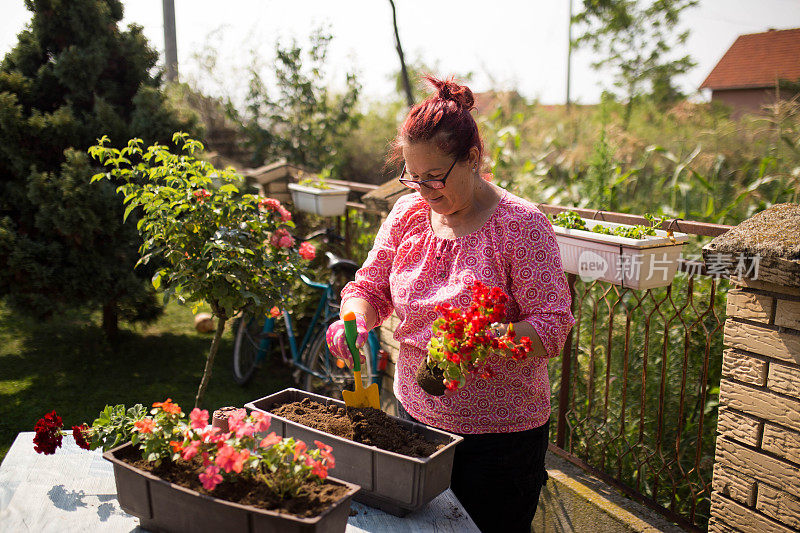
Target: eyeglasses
<point>437,183</point>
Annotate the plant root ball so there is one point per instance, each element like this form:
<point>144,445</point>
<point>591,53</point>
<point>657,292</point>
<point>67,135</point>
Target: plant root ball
<point>204,322</point>
<point>220,417</point>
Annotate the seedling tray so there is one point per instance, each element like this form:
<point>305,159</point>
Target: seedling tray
<point>633,263</point>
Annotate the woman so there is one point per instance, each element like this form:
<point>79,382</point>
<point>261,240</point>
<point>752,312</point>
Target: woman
<point>458,228</point>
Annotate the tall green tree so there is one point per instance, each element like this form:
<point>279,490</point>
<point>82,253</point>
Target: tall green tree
<point>295,115</point>
<point>73,76</point>
<point>636,39</point>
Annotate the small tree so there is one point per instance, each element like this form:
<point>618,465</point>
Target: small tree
<point>635,39</point>
<point>303,122</point>
<point>214,244</point>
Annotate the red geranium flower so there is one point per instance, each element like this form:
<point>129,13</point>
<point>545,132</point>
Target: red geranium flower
<point>79,434</point>
<point>463,340</point>
<point>48,434</point>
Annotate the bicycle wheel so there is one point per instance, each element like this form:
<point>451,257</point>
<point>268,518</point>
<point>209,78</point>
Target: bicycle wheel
<point>318,358</point>
<point>246,345</point>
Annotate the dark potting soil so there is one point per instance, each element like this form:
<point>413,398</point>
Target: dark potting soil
<point>313,500</point>
<point>360,424</point>
<point>431,381</point>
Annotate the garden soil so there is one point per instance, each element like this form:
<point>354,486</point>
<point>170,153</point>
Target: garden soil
<point>360,424</point>
<point>312,501</point>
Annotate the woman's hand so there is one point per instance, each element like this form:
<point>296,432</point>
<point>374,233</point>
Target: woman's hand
<point>338,343</point>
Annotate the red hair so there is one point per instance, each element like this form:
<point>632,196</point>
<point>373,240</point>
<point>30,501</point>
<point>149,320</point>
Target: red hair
<point>443,118</point>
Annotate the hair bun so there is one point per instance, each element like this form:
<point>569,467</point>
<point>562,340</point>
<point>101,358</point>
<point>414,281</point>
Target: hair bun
<point>449,90</point>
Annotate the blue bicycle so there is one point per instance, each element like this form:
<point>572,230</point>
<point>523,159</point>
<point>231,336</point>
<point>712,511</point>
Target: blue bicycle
<point>316,370</point>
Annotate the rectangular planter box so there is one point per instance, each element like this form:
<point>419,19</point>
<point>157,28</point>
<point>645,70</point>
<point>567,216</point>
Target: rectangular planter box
<point>164,506</point>
<point>395,483</point>
<point>329,202</point>
<point>633,263</point>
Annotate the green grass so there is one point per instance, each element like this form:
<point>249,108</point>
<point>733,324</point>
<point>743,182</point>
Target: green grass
<point>68,365</point>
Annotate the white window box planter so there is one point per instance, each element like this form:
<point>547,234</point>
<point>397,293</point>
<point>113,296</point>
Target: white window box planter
<point>633,263</point>
<point>328,202</point>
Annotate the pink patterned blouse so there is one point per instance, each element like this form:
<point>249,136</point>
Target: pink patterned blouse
<point>410,270</point>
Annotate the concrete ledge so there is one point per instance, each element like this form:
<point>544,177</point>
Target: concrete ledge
<point>573,500</point>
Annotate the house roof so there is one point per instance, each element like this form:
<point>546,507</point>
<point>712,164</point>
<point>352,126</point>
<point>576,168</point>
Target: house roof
<point>758,60</point>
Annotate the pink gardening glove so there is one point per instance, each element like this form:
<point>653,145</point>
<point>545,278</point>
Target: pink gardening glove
<point>338,343</point>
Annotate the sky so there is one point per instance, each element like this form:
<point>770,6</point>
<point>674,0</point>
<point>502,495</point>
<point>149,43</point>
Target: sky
<point>503,44</point>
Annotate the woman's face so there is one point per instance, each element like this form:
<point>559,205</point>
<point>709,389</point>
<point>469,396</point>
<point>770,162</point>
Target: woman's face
<point>425,161</point>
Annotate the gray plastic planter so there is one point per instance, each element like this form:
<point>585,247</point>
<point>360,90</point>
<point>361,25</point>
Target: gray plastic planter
<point>163,506</point>
<point>395,483</point>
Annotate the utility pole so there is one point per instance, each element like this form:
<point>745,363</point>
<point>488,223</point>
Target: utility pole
<point>569,54</point>
<point>170,42</point>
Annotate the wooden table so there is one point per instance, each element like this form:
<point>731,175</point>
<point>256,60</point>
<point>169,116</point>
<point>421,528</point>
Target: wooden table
<point>74,490</point>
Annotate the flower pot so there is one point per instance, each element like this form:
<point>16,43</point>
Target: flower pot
<point>220,417</point>
<point>431,380</point>
<point>164,506</point>
<point>328,202</point>
<point>392,482</point>
<point>633,263</point>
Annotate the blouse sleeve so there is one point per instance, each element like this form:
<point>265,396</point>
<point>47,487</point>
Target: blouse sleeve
<point>538,283</point>
<point>372,280</point>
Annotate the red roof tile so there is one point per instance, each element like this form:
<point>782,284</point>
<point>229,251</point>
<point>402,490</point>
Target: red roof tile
<point>758,60</point>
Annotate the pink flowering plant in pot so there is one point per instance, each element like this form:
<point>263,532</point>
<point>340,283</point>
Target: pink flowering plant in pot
<point>284,465</point>
<point>211,241</point>
<point>464,339</point>
<point>281,464</point>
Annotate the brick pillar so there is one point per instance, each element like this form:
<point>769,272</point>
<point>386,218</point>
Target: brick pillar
<point>756,483</point>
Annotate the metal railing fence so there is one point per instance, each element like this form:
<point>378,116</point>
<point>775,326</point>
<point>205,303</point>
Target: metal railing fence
<point>635,393</point>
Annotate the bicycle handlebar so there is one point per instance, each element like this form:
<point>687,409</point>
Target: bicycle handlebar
<point>329,233</point>
<point>316,285</point>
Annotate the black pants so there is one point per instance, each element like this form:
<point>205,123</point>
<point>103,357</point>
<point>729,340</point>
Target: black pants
<point>497,477</point>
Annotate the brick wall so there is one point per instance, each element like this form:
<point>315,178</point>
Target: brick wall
<point>756,484</point>
<point>744,101</point>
